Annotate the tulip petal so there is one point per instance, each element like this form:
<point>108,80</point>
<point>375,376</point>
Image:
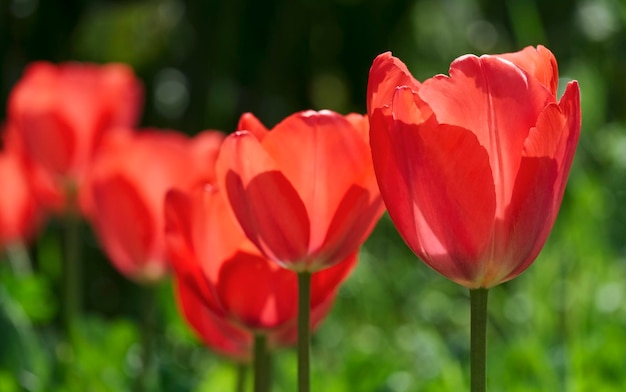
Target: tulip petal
<point>387,73</point>
<point>58,150</point>
<point>570,107</point>
<point>356,216</point>
<point>180,215</point>
<point>437,185</point>
<point>215,331</point>
<point>391,166</point>
<point>539,188</point>
<point>205,148</point>
<point>122,95</point>
<point>249,122</point>
<point>361,124</point>
<point>216,235</point>
<point>265,203</point>
<point>322,155</point>
<point>127,227</point>
<point>325,283</point>
<point>259,295</point>
<point>539,63</point>
<point>496,101</point>
<point>19,210</point>
<point>529,215</point>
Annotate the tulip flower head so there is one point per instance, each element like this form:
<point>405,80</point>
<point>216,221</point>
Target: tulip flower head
<point>61,113</point>
<point>126,193</point>
<point>472,166</point>
<point>304,193</point>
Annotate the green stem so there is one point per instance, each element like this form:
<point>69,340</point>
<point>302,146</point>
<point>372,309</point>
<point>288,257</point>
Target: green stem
<point>240,382</point>
<point>71,281</point>
<point>478,354</point>
<point>72,271</point>
<point>148,320</point>
<point>304,333</point>
<point>262,364</point>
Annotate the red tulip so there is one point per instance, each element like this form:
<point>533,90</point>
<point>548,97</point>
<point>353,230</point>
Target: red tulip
<point>61,113</point>
<point>472,167</point>
<point>49,197</point>
<point>305,193</point>
<point>213,259</point>
<point>221,333</point>
<point>127,187</point>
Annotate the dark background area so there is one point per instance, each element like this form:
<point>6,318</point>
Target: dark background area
<point>277,57</point>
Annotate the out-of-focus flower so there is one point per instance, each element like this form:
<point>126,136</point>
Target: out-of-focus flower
<point>472,166</point>
<point>126,189</point>
<point>20,211</point>
<point>61,113</point>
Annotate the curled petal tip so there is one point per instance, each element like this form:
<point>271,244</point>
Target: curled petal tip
<point>240,133</point>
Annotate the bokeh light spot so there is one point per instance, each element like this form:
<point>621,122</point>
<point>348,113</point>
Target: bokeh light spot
<point>171,94</point>
<point>23,8</point>
<point>482,35</point>
<point>329,91</point>
<point>597,20</point>
<point>609,297</point>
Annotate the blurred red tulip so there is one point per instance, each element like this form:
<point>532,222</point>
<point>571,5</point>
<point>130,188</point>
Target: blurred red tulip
<point>20,212</point>
<point>126,191</point>
<point>214,260</point>
<point>305,193</point>
<point>61,113</point>
<point>472,167</point>
<point>49,196</point>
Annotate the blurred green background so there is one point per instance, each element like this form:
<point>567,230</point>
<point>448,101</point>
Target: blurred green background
<point>397,326</point>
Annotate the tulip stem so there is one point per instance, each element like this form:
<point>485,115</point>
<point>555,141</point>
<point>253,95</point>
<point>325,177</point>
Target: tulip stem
<point>262,364</point>
<point>478,346</point>
<point>240,380</point>
<point>72,268</point>
<point>304,333</point>
<point>148,312</point>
